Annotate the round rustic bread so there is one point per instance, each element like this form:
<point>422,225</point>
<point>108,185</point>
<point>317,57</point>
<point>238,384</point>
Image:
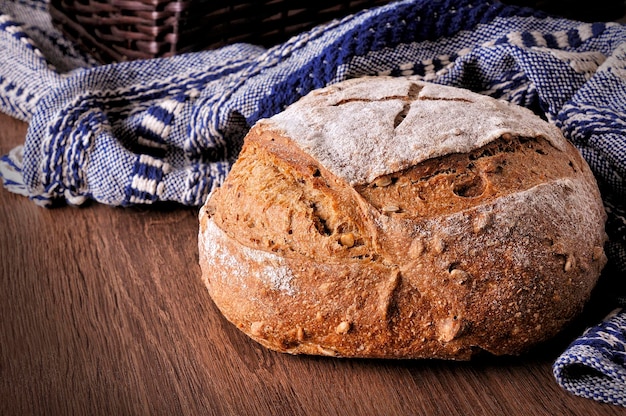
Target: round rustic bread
<point>387,217</point>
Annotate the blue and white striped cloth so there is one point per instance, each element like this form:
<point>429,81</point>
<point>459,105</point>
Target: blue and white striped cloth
<point>169,129</point>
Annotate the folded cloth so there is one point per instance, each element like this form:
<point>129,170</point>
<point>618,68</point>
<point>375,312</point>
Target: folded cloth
<point>169,129</point>
<point>594,366</point>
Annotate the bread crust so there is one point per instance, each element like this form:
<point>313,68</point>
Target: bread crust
<point>491,244</point>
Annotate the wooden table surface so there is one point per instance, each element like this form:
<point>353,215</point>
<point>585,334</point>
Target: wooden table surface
<point>102,311</point>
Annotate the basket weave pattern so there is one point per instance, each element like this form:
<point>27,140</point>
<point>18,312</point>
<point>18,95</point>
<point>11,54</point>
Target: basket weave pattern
<point>118,30</point>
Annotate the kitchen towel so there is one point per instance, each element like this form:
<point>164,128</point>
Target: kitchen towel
<point>169,129</point>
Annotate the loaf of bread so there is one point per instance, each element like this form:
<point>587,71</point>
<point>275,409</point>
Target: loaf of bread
<point>391,218</point>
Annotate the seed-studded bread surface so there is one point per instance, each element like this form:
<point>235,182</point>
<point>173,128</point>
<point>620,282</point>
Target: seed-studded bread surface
<point>440,231</point>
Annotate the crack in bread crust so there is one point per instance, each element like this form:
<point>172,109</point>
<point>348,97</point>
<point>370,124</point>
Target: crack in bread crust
<point>292,196</point>
<point>456,182</point>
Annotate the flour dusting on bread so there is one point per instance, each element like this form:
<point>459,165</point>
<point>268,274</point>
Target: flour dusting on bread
<point>273,271</point>
<point>361,130</point>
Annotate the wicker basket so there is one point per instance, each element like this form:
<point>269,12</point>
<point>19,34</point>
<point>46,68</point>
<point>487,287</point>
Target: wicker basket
<point>118,30</point>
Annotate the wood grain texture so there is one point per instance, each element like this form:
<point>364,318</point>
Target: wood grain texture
<point>103,312</point>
